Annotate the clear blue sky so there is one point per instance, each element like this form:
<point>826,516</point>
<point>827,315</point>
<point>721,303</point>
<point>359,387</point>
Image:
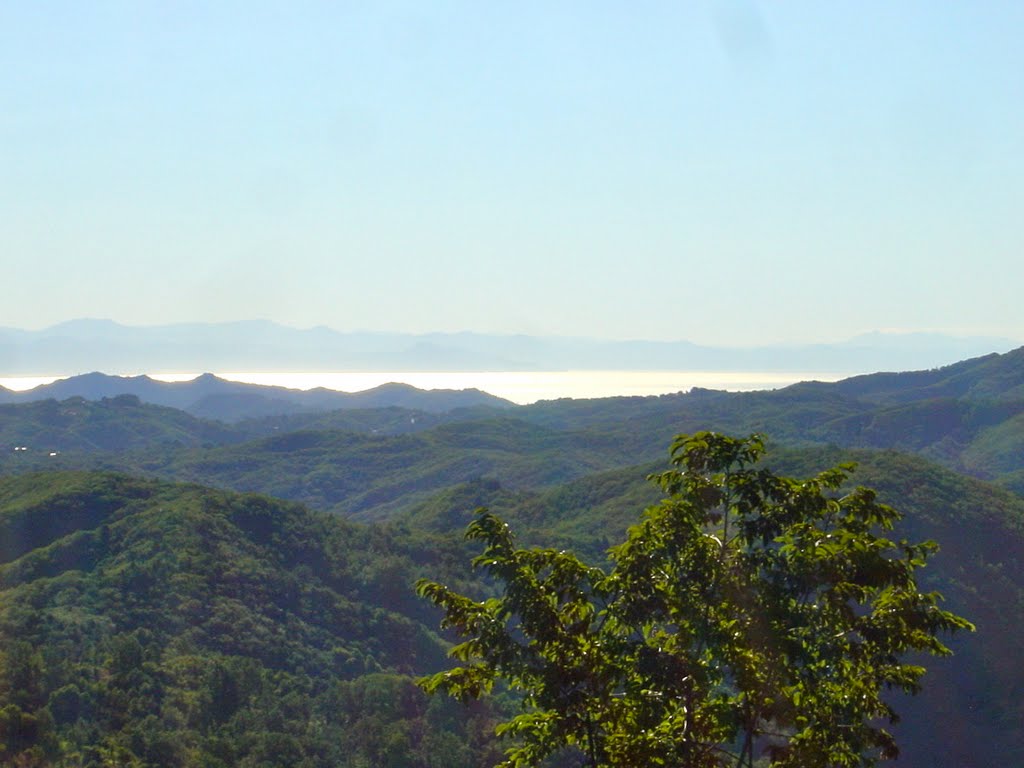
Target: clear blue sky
<point>724,172</point>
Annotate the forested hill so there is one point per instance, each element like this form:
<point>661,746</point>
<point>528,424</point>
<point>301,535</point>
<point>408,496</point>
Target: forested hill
<point>374,462</point>
<point>143,623</point>
<point>992,377</point>
<point>979,569</point>
<point>968,416</point>
<point>181,626</point>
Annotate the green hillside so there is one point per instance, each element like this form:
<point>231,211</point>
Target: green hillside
<point>143,623</point>
<point>991,377</point>
<point>967,417</point>
<point>180,625</point>
<point>975,695</point>
<point>109,425</point>
<point>979,569</point>
<point>149,623</point>
<point>374,476</point>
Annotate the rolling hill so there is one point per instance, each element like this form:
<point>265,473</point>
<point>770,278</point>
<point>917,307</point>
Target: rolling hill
<point>125,603</point>
<point>143,623</point>
<point>157,616</point>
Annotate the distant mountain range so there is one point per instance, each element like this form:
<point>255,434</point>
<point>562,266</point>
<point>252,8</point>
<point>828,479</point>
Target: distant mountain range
<point>968,416</point>
<point>211,397</point>
<point>78,346</point>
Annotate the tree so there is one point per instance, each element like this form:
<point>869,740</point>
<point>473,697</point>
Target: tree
<point>746,617</point>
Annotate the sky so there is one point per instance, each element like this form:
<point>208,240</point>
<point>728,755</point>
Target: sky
<point>720,171</point>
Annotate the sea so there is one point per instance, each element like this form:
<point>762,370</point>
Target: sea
<point>522,387</point>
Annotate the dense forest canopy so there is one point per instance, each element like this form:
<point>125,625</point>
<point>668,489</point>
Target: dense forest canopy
<point>154,611</point>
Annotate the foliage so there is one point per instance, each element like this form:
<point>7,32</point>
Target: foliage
<point>281,605</point>
<point>747,614</point>
<point>378,463</point>
<point>371,476</point>
<point>111,424</point>
<point>147,624</point>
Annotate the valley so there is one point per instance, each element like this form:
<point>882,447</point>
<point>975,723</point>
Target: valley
<point>185,587</point>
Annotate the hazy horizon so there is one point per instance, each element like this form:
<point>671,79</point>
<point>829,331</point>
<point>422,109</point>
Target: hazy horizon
<point>865,334</point>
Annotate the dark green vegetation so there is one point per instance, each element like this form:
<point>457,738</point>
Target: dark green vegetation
<point>302,609</point>
<point>153,624</point>
<point>112,425</point>
<point>746,614</point>
<point>968,417</point>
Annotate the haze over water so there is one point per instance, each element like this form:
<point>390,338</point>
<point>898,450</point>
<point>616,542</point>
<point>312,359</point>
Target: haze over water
<point>522,387</point>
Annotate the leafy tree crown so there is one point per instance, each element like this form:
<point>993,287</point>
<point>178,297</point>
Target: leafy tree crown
<point>748,618</point>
